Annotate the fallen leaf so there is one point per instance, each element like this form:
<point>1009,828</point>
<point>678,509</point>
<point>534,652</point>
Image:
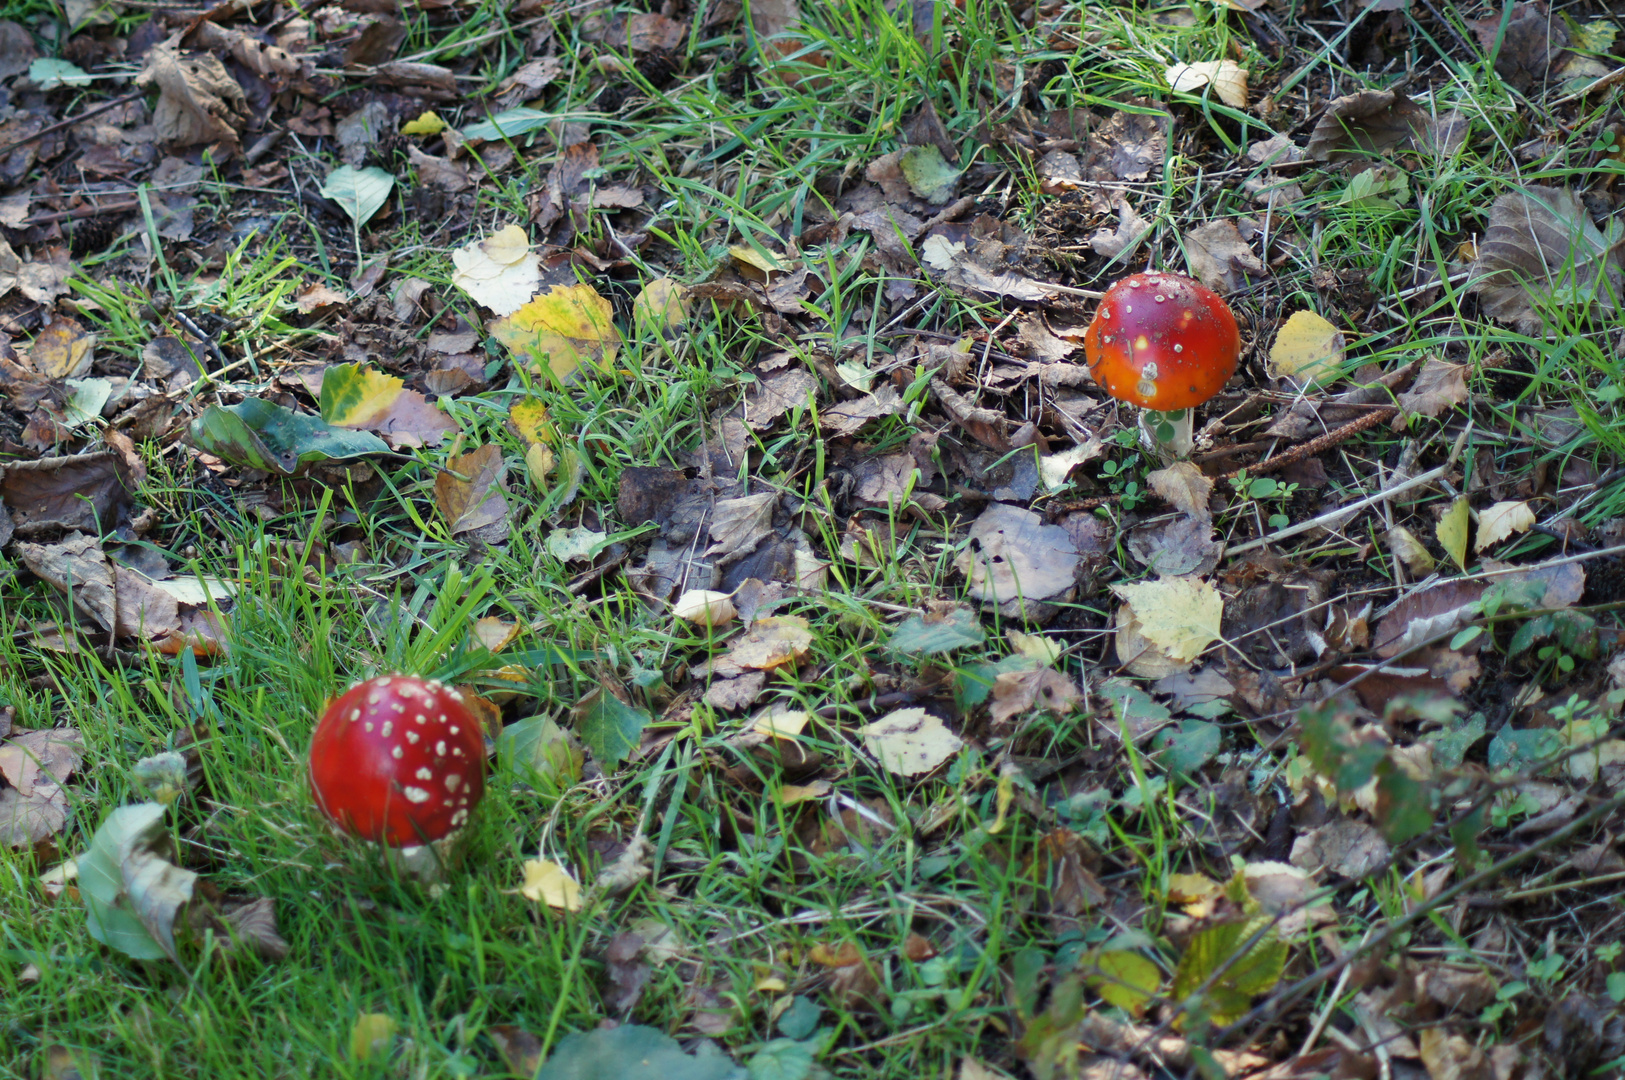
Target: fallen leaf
<point>473,498</point>
<point>1542,253</point>
<point>198,100</point>
<point>360,193</point>
<point>1440,385</point>
<point>558,331</point>
<point>909,742</point>
<point>546,882</point>
<point>1043,689</point>
<point>131,892</point>
<point>1228,79</point>
<point>63,350</point>
<point>1181,616</point>
<point>1219,258</point>
<point>353,396</point>
<point>1500,521</point>
<point>1012,556</point>
<point>501,272</point>
<point>1452,530</point>
<point>1307,348</point>
<point>371,1036</point>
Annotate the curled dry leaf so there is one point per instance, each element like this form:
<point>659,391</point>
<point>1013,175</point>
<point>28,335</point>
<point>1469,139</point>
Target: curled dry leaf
<point>470,492</point>
<point>198,102</point>
<point>1219,258</point>
<point>1411,551</point>
<point>1228,79</point>
<point>1441,385</point>
<point>705,607</point>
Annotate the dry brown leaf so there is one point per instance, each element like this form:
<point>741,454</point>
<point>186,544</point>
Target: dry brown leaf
<point>470,492</point>
<point>1219,258</point>
<point>199,101</point>
<point>1228,79</point>
<point>1527,47</point>
<point>1440,385</point>
<point>1044,688</point>
<point>1541,252</point>
<point>1361,126</point>
<point>1012,555</point>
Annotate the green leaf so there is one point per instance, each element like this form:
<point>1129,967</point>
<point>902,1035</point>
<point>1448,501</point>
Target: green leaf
<point>1450,747</point>
<point>635,1052</point>
<point>1403,808</point>
<point>610,727</point>
<point>260,435</point>
<point>538,745</point>
<point>929,635</point>
<point>928,173</point>
<point>1134,709</point>
<point>360,193</point>
<point>1026,969</point>
<point>1520,750</point>
<point>131,894</point>
<point>352,394</point>
<point>1254,972</point>
<point>973,684</point>
<point>1185,749</point>
<point>781,1059</point>
<point>50,74</point>
<point>1125,979</point>
<point>800,1020</point>
<point>510,124</point>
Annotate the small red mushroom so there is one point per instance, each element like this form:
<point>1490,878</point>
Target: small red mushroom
<point>398,760</point>
<point>1166,344</point>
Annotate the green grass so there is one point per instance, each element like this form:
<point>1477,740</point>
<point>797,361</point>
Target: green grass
<point>753,890</point>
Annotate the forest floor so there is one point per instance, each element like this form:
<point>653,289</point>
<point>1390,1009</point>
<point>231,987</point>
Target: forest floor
<point>703,391</point>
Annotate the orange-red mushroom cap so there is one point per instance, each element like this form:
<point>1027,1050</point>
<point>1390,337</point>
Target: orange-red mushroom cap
<point>399,760</point>
<point>1162,342</point>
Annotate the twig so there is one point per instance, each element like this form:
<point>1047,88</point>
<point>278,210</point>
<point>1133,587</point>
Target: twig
<point>81,212</point>
<point>1318,443</point>
<point>70,121</point>
<point>1342,513</point>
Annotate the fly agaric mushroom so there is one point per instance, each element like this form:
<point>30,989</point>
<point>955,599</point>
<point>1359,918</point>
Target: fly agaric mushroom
<point>1165,343</point>
<point>398,760</point>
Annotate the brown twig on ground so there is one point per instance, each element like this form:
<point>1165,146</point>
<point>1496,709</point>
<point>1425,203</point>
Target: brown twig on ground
<point>79,213</point>
<point>1321,442</point>
<point>72,120</point>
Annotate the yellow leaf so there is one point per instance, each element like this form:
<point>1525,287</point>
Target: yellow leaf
<point>1037,647</point>
<point>493,633</point>
<point>1179,615</point>
<point>1501,521</point>
<point>1003,796</point>
<point>909,742</point>
<point>790,794</point>
<point>371,1035</point>
<point>661,306</point>
<point>427,124</point>
<point>527,418</point>
<point>1191,888</point>
<point>781,722</point>
<point>1229,80</point>
<point>63,350</point>
<point>1307,348</point>
<point>560,330</point>
<point>538,463</point>
<point>352,394</point>
<point>1452,531</point>
<point>762,260</point>
<point>546,882</point>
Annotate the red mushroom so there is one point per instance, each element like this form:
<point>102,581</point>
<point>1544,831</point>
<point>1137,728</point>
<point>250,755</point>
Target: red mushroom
<point>398,760</point>
<point>1166,344</point>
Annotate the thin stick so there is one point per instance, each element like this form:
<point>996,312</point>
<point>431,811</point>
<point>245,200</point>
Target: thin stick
<point>70,121</point>
<point>1341,513</point>
<point>86,211</point>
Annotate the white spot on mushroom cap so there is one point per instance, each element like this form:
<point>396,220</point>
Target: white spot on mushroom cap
<point>459,819</point>
<point>415,795</point>
<point>367,726</point>
<point>425,773</point>
<point>452,781</point>
<point>355,714</point>
<point>388,729</point>
<point>455,729</point>
<point>412,736</point>
<point>440,748</point>
<point>397,753</point>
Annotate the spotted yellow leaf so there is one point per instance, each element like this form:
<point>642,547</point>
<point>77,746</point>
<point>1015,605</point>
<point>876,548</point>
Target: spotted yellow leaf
<point>1179,615</point>
<point>558,331</point>
<point>1501,521</point>
<point>1307,348</point>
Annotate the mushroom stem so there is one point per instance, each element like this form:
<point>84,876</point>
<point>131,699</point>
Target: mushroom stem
<point>1169,435</point>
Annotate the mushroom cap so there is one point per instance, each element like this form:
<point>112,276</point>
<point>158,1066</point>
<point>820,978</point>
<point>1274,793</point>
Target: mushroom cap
<point>398,760</point>
<point>1162,341</point>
